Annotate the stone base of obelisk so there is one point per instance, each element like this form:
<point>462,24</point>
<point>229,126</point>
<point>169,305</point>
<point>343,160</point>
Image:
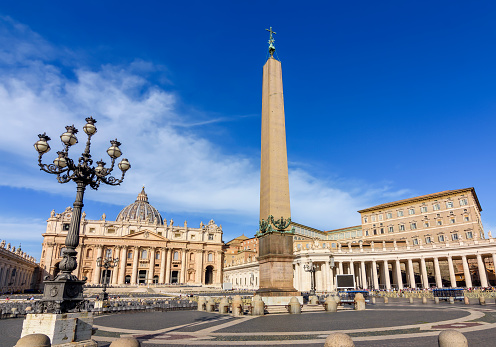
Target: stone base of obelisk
<point>276,269</point>
<point>66,329</point>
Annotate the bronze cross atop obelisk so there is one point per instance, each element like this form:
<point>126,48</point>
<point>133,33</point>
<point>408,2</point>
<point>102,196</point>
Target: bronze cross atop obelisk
<point>272,49</point>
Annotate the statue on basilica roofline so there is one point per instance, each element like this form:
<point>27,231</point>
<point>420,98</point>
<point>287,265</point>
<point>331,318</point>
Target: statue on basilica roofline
<point>2,245</point>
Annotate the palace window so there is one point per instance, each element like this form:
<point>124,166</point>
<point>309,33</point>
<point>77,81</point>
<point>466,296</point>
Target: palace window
<point>400,213</point>
<point>373,218</point>
<point>382,230</point>
<point>402,227</point>
<point>466,218</point>
<point>469,234</point>
<point>366,233</point>
<point>449,204</point>
<point>454,237</point>
<point>391,229</point>
<point>441,238</point>
<point>426,224</point>
<point>415,241</point>
<point>389,215</point>
<point>375,231</point>
<point>411,211</point>
<point>413,226</point>
<point>427,239</point>
<point>176,255</point>
<point>423,209</point>
<point>365,220</point>
<point>436,207</point>
<point>65,227</point>
<point>380,217</point>
<point>452,220</point>
<point>210,237</point>
<point>143,254</point>
<point>463,202</point>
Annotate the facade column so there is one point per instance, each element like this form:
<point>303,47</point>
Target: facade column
<point>374,275</point>
<point>324,274</point>
<point>364,275</point>
<point>151,267</point>
<point>218,265</point>
<point>182,278</point>
<point>399,279</point>
<point>340,267</point>
<point>135,264</point>
<point>451,272</point>
<point>411,274</point>
<point>386,275</point>
<point>168,266</point>
<point>482,271</point>
<point>97,269</point>
<point>351,268</point>
<point>122,264</point>
<point>466,272</point>
<point>437,271</point>
<point>198,270</point>
<point>115,270</point>
<point>423,272</point>
<point>161,278</point>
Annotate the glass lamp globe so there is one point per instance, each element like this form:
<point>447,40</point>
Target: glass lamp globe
<point>42,146</point>
<point>69,138</point>
<point>124,165</point>
<point>99,169</point>
<point>89,128</point>
<point>114,151</point>
<point>60,161</point>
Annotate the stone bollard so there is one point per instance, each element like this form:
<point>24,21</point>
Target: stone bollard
<point>337,299</point>
<point>257,306</point>
<point>386,300</point>
<point>330,304</point>
<point>359,302</point>
<point>451,300</point>
<point>466,300</point>
<point>451,338</point>
<point>436,300</point>
<point>411,299</point>
<point>482,300</point>
<point>237,306</point>
<point>224,306</point>
<point>338,340</point>
<point>14,312</point>
<point>314,300</point>
<point>28,309</point>
<point>424,300</point>
<point>34,340</point>
<point>201,303</point>
<point>125,342</point>
<point>294,306</point>
<point>373,300</point>
<point>210,305</point>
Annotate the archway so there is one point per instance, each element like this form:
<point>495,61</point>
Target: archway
<point>209,275</point>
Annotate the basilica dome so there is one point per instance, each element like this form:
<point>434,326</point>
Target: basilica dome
<point>140,210</point>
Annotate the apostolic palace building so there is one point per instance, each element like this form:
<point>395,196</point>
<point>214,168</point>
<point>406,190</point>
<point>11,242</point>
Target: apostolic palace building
<point>434,240</point>
<point>149,249</point>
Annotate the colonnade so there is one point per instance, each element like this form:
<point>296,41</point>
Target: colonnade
<point>16,271</point>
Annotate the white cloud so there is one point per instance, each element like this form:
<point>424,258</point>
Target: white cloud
<point>185,172</point>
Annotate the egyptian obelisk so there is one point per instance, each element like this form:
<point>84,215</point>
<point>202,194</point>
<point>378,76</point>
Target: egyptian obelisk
<point>275,234</point>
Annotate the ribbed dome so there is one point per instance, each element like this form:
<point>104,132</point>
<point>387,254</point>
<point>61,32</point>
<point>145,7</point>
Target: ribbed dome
<point>140,210</point>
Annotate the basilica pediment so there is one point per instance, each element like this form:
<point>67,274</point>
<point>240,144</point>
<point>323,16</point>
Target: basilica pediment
<point>146,235</point>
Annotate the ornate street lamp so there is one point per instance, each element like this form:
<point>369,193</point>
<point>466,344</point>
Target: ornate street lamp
<point>310,267</point>
<point>106,263</point>
<point>65,292</point>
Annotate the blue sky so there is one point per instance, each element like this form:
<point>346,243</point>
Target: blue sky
<point>383,101</point>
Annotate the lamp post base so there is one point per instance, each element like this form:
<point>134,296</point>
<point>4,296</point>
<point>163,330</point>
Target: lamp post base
<point>62,296</point>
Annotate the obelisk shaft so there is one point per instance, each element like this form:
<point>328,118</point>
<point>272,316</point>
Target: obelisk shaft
<point>274,182</point>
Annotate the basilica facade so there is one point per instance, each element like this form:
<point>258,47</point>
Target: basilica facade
<point>149,249</point>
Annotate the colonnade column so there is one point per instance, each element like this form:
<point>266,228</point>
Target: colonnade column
<point>398,274</point>
<point>437,273</point>
<point>331,277</point>
<point>482,271</point>
<point>115,270</point>
<point>423,272</point>
<point>182,279</point>
<point>352,268</point>
<point>122,270</point>
<point>411,274</point>
<point>162,266</point>
<point>168,266</point>
<point>96,274</point>
<point>386,275</point>
<point>340,267</point>
<point>466,272</point>
<point>135,265</point>
<point>151,267</point>
<point>451,272</point>
<point>374,275</point>
<point>364,275</point>
<point>324,274</point>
